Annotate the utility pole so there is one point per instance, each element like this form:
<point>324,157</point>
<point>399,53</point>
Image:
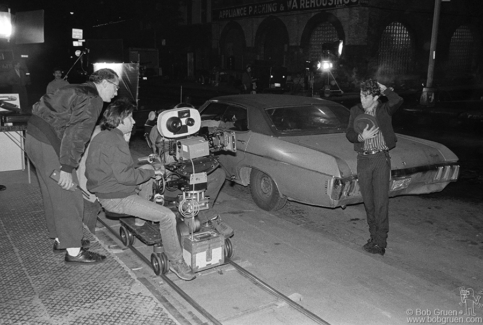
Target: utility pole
<point>427,97</point>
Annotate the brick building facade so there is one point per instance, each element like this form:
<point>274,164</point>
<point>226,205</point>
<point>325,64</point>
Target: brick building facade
<point>385,39</point>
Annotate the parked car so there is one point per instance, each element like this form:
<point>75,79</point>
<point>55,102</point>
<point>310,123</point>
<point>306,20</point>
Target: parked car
<point>295,148</point>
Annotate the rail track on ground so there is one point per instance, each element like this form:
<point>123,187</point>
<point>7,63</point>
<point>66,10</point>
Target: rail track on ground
<point>254,280</point>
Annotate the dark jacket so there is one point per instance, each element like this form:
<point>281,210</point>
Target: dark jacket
<point>110,169</point>
<point>384,113</point>
<point>17,80</point>
<point>66,120</point>
<point>18,84</point>
<point>247,82</point>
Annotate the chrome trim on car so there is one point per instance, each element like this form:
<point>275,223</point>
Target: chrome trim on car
<point>420,169</point>
<point>343,188</point>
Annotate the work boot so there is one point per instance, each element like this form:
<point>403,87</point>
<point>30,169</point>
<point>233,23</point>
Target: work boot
<point>182,270</point>
<point>370,243</point>
<point>375,249</point>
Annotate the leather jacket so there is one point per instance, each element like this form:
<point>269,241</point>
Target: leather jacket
<point>66,120</point>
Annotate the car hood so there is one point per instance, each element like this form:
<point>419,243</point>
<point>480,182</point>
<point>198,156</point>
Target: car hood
<point>409,152</point>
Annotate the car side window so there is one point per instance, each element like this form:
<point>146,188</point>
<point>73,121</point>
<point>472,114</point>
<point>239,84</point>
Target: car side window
<point>235,118</point>
<point>214,111</point>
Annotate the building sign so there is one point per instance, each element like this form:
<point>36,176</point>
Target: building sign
<point>76,33</point>
<point>277,7</point>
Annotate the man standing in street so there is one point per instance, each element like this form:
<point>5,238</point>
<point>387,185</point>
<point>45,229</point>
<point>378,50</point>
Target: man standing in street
<point>372,142</point>
<point>57,133</point>
<point>248,83</point>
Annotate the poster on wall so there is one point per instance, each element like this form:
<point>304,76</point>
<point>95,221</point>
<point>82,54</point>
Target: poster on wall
<point>11,143</point>
<point>9,103</point>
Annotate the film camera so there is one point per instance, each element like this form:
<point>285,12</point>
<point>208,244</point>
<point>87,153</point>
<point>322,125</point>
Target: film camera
<point>188,159</point>
<point>188,155</point>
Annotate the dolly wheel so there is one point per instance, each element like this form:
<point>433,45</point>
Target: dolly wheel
<point>156,263</point>
<point>165,263</point>
<point>228,249</point>
<point>160,263</point>
<point>127,237</point>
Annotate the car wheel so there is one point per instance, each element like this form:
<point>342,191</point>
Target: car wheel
<point>265,192</point>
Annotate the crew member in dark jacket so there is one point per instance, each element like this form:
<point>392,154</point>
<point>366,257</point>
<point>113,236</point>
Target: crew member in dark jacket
<point>57,133</point>
<point>372,145</point>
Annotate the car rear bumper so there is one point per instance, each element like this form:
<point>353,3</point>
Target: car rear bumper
<point>417,180</point>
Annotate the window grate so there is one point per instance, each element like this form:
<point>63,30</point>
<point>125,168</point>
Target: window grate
<point>460,52</point>
<point>323,33</point>
<point>396,51</point>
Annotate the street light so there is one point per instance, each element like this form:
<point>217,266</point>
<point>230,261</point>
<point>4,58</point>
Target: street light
<point>428,94</point>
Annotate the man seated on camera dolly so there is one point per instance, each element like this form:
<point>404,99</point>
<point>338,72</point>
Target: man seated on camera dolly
<point>122,188</point>
<point>215,179</point>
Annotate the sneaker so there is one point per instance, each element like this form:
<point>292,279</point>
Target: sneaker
<point>221,227</point>
<point>182,270</point>
<point>224,229</point>
<point>375,249</point>
<point>139,222</point>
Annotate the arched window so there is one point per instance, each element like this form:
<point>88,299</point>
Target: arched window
<point>396,51</point>
<point>323,33</point>
<point>233,49</point>
<point>460,56</point>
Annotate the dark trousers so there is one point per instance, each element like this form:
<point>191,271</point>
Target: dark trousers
<point>63,209</point>
<point>23,97</point>
<point>91,210</point>
<point>373,172</point>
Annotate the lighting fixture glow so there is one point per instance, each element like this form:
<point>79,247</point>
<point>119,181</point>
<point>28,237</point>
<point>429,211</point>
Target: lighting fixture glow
<point>324,65</point>
<point>5,24</point>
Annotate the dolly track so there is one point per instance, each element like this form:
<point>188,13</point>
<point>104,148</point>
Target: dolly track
<point>252,278</point>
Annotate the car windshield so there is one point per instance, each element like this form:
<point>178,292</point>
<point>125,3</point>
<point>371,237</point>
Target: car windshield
<point>310,119</point>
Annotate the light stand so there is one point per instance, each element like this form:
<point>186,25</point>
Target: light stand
<point>84,51</point>
<point>327,90</point>
<point>328,56</point>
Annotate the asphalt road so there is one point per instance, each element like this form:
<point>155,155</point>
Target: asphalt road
<point>434,249</point>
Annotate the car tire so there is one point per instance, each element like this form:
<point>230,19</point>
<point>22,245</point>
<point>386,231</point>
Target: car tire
<point>265,192</point>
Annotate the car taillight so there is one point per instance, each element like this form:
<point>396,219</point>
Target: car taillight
<point>343,187</point>
<point>446,173</point>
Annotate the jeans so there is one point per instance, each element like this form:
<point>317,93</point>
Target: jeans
<point>373,172</point>
<point>215,182</point>
<point>138,205</point>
